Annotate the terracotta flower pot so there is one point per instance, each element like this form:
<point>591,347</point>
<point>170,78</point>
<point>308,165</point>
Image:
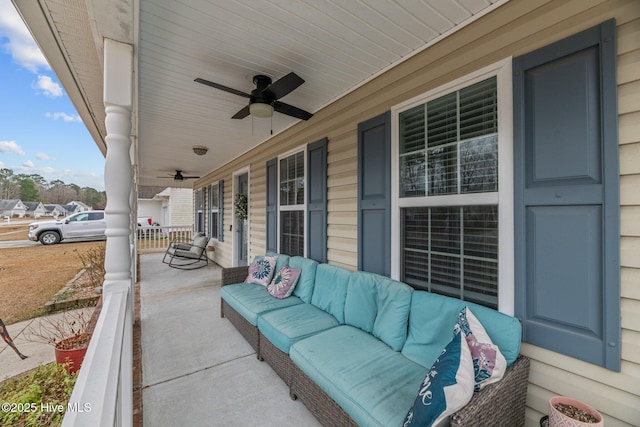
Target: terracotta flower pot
<point>558,419</point>
<point>71,352</point>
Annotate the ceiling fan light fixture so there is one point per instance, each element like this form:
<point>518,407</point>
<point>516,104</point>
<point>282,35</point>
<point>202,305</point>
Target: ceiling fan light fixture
<point>200,150</point>
<point>258,109</point>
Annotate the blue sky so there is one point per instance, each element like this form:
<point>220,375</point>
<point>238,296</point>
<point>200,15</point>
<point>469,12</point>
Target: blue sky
<point>40,130</point>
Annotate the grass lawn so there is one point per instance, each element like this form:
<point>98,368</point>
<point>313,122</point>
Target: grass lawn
<point>30,276</point>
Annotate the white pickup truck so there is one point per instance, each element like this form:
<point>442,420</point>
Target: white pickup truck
<point>85,225</point>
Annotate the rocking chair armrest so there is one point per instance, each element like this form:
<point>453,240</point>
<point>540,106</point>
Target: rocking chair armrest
<point>234,275</point>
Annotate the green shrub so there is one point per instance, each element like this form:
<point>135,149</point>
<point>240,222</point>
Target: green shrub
<point>36,399</point>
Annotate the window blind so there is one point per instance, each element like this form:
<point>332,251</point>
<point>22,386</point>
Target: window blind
<point>449,145</point>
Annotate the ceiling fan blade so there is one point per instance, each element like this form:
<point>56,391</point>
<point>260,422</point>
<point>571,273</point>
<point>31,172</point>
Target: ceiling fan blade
<point>292,111</point>
<point>222,87</point>
<point>242,113</point>
<point>284,85</point>
<point>190,177</point>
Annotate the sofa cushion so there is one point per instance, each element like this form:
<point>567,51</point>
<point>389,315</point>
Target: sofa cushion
<point>261,270</point>
<point>288,325</point>
<point>284,282</point>
<point>447,387</point>
<point>433,317</point>
<point>250,300</point>
<point>304,288</point>
<point>330,289</point>
<point>394,303</point>
<point>374,384</point>
<point>282,259</point>
<point>360,306</point>
<point>380,306</point>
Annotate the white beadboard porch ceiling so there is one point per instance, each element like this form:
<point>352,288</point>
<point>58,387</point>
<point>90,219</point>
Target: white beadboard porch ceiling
<point>334,45</point>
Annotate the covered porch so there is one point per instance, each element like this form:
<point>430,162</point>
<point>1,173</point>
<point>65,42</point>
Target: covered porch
<point>320,188</point>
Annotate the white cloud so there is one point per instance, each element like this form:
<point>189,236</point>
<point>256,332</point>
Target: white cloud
<point>64,116</point>
<point>28,164</point>
<point>1,165</point>
<point>19,43</point>
<point>43,156</point>
<point>48,86</point>
<point>11,147</point>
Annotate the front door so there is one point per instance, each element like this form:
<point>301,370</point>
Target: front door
<point>241,219</point>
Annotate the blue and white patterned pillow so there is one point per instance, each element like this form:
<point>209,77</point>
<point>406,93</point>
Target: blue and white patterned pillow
<point>261,270</point>
<point>284,282</point>
<point>447,387</point>
<point>488,362</point>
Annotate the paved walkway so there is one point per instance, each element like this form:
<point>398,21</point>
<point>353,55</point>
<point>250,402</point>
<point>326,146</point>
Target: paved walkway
<point>38,353</point>
<point>197,370</point>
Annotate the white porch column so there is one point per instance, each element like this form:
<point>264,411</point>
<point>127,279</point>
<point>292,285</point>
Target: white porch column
<point>118,101</point>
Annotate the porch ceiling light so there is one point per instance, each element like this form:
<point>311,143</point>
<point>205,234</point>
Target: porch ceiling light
<point>259,109</point>
<point>200,150</point>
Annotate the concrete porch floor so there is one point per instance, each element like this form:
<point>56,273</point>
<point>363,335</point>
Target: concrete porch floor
<point>197,370</point>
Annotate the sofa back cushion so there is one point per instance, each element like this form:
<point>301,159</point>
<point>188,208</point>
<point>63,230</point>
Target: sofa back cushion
<point>380,306</point>
<point>282,260</point>
<point>330,290</point>
<point>304,288</point>
<point>433,317</point>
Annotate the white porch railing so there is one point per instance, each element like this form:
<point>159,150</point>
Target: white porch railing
<point>103,393</point>
<point>153,239</point>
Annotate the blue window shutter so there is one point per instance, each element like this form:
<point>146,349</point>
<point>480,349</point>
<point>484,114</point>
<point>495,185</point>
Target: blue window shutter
<point>567,259</point>
<point>374,195</point>
<point>221,210</point>
<point>272,205</point>
<point>317,200</point>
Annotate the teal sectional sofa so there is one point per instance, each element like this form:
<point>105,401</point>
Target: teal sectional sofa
<point>354,347</point>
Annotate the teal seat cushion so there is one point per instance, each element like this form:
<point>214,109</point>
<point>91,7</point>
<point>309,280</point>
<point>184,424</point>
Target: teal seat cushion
<point>375,385</point>
<point>330,289</point>
<point>288,325</point>
<point>379,305</point>
<point>304,287</point>
<point>251,300</point>
<point>431,325</point>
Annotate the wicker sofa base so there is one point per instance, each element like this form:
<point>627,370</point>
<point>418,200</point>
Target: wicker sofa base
<point>323,407</point>
<point>277,359</point>
<point>498,404</point>
<point>247,330</point>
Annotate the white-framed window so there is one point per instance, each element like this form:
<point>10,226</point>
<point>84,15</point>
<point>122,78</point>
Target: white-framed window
<point>452,189</point>
<point>291,203</point>
<point>199,202</point>
<point>214,210</point>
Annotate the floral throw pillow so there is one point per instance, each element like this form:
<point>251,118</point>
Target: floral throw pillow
<point>488,362</point>
<point>261,270</point>
<point>447,387</point>
<point>284,282</point>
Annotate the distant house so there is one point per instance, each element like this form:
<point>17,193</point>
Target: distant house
<point>166,205</point>
<point>83,206</point>
<point>12,208</point>
<point>35,209</point>
<point>55,210</point>
<point>71,209</point>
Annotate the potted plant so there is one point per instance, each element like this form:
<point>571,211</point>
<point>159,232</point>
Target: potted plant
<point>567,412</point>
<point>68,333</point>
